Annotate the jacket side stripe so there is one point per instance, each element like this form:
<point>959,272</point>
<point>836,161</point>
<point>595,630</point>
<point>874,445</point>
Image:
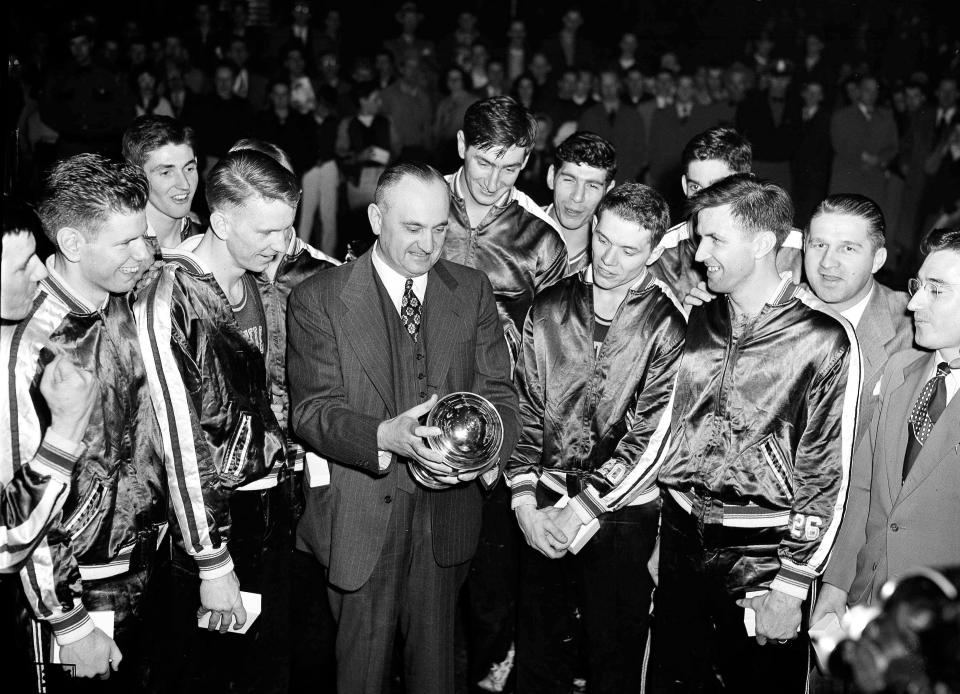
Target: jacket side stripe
<point>172,406</point>
<point>848,421</point>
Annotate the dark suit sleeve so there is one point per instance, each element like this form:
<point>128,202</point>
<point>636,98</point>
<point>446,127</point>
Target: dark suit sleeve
<point>320,414</point>
<point>491,375</point>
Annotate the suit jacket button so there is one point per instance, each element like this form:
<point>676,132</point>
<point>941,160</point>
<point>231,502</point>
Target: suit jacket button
<point>894,527</point>
<point>421,376</point>
<point>422,394</point>
<point>387,499</point>
<point>875,565</point>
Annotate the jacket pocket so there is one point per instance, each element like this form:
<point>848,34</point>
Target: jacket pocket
<point>773,459</point>
<point>235,452</point>
<point>85,512</point>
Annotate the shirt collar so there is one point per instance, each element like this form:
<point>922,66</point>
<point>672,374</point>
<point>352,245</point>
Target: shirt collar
<point>57,285</point>
<point>855,312</point>
<point>394,282</point>
<point>952,379</point>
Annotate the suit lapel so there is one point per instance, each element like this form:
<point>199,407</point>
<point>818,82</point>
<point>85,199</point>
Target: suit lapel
<point>874,331</point>
<point>943,437</point>
<point>366,330</point>
<point>901,402</point>
<point>442,325</point>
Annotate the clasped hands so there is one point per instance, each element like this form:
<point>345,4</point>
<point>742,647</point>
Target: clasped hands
<point>404,435</point>
<point>549,530</point>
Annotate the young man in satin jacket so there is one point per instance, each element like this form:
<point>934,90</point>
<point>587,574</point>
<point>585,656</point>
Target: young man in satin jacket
<point>596,377</point>
<point>102,552</point>
<point>206,334</point>
<point>755,481</point>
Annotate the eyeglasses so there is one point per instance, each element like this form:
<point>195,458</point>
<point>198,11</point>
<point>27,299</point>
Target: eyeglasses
<point>935,289</point>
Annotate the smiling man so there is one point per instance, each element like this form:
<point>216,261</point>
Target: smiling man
<point>165,150</point>
<point>761,439</point>
<point>843,249</point>
<point>596,376</point>
<point>903,502</point>
<point>372,345</point>
<point>101,553</point>
<point>203,328</point>
<point>583,171</point>
<point>501,231</point>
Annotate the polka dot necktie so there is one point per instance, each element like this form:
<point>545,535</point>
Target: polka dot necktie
<point>410,311</point>
<point>926,410</point>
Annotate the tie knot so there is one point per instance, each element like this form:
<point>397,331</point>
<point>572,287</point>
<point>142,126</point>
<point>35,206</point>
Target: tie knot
<point>408,285</point>
<point>943,369</point>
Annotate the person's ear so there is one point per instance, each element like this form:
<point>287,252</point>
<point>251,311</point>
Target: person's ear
<point>461,145</point>
<point>879,258</point>
<point>376,218</point>
<point>551,171</point>
<point>69,243</point>
<point>764,243</point>
<point>220,225</point>
<point>683,184</point>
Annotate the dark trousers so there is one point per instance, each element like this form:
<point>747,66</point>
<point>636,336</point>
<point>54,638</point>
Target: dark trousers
<point>407,592</point>
<point>261,545</point>
<point>314,668</point>
<point>490,593</point>
<point>607,583</point>
<point>700,643</point>
<point>136,600</point>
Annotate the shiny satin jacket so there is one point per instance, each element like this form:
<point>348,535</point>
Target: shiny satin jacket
<point>117,494</point>
<point>516,245</point>
<point>210,393</point>
<point>602,416</point>
<point>301,262</point>
<point>763,424</point>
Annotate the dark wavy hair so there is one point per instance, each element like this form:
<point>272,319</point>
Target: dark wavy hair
<point>756,205</point>
<point>720,144</point>
<point>499,122</point>
<point>149,133</point>
<point>636,202</point>
<point>941,240</point>
<point>588,149</point>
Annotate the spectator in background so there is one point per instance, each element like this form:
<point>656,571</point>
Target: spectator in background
<point>148,101</point>
<point>568,48</point>
<point>201,37</point>
<point>621,125</point>
<point>517,51</point>
<point>298,32</point>
<point>407,105</point>
<point>321,182</point>
<point>865,143</point>
<point>525,92</point>
<point>247,83</point>
<point>810,167</point>
<point>409,43</point>
<point>770,118</point>
<point>449,117</point>
<point>287,128</point>
<point>366,143</point>
<point>87,105</point>
<point>496,80</point>
<point>479,59</point>
<point>238,27</point>
<point>222,118</point>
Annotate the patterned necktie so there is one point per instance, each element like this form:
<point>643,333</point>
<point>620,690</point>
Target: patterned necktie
<point>926,411</point>
<point>410,311</point>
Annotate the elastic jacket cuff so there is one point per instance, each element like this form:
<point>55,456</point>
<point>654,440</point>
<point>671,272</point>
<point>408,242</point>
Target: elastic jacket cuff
<point>72,626</point>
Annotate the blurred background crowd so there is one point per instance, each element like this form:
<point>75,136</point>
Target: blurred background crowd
<point>852,96</point>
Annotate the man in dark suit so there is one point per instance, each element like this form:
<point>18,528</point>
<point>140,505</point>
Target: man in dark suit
<point>903,505</point>
<point>371,345</point>
<point>843,249</point>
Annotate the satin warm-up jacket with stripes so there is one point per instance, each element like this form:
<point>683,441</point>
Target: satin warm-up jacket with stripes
<point>763,424</point>
<point>117,492</point>
<point>210,392</point>
<point>603,416</point>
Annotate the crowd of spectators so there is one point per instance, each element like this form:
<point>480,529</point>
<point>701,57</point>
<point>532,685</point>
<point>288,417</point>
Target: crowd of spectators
<point>830,105</point>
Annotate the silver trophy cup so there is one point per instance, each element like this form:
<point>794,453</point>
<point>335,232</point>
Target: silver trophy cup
<point>471,434</point>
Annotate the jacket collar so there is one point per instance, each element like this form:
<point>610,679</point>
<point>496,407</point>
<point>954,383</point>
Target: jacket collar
<point>57,285</point>
<point>786,291</point>
<point>638,287</point>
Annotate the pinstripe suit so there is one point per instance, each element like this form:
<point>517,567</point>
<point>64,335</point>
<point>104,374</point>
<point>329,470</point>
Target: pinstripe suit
<point>342,387</point>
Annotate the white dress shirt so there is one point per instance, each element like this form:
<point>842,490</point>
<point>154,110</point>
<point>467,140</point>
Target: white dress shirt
<point>855,312</point>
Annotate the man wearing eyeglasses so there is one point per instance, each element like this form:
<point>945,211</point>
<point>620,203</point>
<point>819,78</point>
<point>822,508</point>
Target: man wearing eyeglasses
<point>903,510</point>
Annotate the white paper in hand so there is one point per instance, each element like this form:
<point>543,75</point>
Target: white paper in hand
<point>102,620</point>
<point>251,603</point>
<point>825,635</point>
<point>749,615</point>
<point>584,533</point>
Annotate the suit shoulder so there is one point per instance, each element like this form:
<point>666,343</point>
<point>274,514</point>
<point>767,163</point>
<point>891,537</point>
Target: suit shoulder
<point>895,301</point>
<point>330,279</point>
